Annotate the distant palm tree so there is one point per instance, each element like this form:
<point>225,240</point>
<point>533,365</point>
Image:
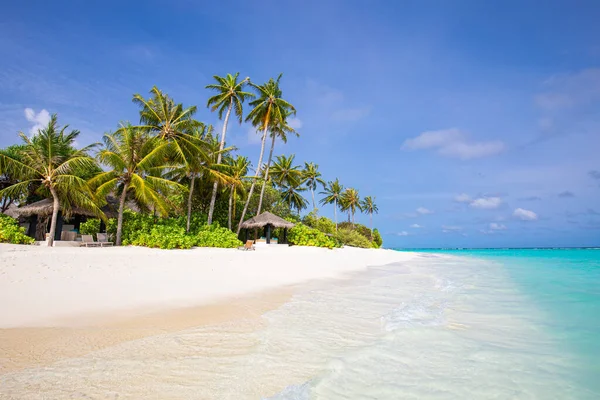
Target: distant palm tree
<point>132,154</point>
<point>333,191</point>
<point>292,197</point>
<point>368,206</point>
<point>350,201</point>
<point>285,173</point>
<point>312,177</point>
<point>238,168</point>
<point>269,106</point>
<point>230,96</point>
<point>279,129</point>
<point>50,160</point>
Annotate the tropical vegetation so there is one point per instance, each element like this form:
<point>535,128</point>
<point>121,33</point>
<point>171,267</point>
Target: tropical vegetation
<point>173,182</point>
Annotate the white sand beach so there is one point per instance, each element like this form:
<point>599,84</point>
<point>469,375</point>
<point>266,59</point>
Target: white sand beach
<point>63,301</point>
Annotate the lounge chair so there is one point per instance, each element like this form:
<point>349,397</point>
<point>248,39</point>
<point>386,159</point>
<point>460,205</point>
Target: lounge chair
<point>248,246</point>
<point>103,240</point>
<point>88,241</point>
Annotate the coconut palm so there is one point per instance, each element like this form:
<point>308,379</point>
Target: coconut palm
<point>50,160</point>
<point>312,177</point>
<point>238,168</point>
<point>133,156</point>
<point>350,201</point>
<point>285,173</point>
<point>6,179</point>
<point>269,106</point>
<point>368,206</point>
<point>230,96</point>
<point>292,197</point>
<point>332,191</point>
<point>280,129</point>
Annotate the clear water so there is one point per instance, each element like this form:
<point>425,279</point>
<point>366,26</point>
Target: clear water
<point>494,325</point>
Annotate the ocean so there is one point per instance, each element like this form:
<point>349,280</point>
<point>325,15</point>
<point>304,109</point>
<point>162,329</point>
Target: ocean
<point>468,324</point>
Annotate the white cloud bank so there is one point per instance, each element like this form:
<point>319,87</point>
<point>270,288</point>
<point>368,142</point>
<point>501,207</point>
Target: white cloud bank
<point>453,143</point>
<point>463,198</point>
<point>424,211</point>
<point>403,233</point>
<point>486,203</point>
<point>494,226</point>
<point>40,120</point>
<point>416,226</point>
<point>525,215</point>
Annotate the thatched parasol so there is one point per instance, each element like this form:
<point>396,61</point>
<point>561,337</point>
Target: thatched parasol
<point>265,219</point>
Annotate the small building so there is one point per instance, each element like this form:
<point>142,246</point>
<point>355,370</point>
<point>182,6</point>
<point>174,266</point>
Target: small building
<point>268,222</point>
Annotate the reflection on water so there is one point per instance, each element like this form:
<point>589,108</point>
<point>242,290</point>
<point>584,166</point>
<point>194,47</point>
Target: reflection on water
<point>439,328</point>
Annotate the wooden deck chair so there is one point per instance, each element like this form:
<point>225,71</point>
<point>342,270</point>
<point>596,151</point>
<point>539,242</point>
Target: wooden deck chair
<point>88,241</point>
<point>103,240</point>
<point>248,246</point>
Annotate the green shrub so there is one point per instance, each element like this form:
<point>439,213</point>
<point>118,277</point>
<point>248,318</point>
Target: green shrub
<point>90,227</point>
<point>11,232</point>
<point>216,236</point>
<point>164,237</point>
<point>323,224</point>
<point>353,238</point>
<point>303,235</point>
<point>377,239</point>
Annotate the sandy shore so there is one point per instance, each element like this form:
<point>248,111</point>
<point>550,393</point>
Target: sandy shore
<point>59,303</point>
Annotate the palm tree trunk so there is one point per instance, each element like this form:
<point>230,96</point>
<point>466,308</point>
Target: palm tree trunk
<point>260,157</point>
<point>335,213</point>
<point>230,207</point>
<point>120,216</point>
<point>189,205</point>
<point>213,198</point>
<point>312,191</point>
<point>262,191</point>
<point>371,223</point>
<point>55,209</point>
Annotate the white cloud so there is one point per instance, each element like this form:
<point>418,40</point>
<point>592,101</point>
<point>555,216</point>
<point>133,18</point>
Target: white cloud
<point>463,198</point>
<point>416,226</point>
<point>295,123</point>
<point>486,203</point>
<point>494,226</point>
<point>424,211</point>
<point>351,114</point>
<point>403,233</point>
<point>453,143</point>
<point>40,120</point>
<point>451,228</point>
<point>525,215</point>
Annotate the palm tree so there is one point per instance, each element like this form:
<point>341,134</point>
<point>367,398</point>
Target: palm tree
<point>312,177</point>
<point>230,96</point>
<point>285,173</point>
<point>292,197</point>
<point>269,106</point>
<point>332,191</point>
<point>133,155</point>
<point>238,168</point>
<point>368,206</point>
<point>350,201</point>
<point>49,159</point>
<point>278,129</point>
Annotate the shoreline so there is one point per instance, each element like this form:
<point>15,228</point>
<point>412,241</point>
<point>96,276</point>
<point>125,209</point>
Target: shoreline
<point>60,303</point>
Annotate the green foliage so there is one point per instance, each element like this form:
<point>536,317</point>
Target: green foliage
<point>353,238</point>
<point>164,237</point>
<point>11,232</point>
<point>216,236</point>
<point>377,239</point>
<point>303,235</point>
<point>90,227</point>
<point>323,224</point>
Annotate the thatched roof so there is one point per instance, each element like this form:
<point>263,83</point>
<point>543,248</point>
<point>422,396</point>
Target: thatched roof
<point>45,207</point>
<point>11,211</point>
<point>265,219</point>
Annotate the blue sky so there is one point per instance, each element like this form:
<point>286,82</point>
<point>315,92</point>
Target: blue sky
<point>473,123</point>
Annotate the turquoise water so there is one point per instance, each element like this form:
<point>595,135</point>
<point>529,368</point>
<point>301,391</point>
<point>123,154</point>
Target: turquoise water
<point>565,283</point>
<point>487,324</point>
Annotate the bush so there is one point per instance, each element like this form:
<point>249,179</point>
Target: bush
<point>164,237</point>
<point>323,224</point>
<point>303,235</point>
<point>377,238</point>
<point>353,238</point>
<point>90,227</point>
<point>11,232</point>
<point>216,236</point>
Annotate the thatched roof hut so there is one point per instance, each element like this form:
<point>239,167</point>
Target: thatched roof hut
<point>11,211</point>
<point>267,221</point>
<point>45,207</point>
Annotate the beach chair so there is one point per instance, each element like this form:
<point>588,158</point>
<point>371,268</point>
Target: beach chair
<point>103,240</point>
<point>88,241</point>
<point>248,246</point>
